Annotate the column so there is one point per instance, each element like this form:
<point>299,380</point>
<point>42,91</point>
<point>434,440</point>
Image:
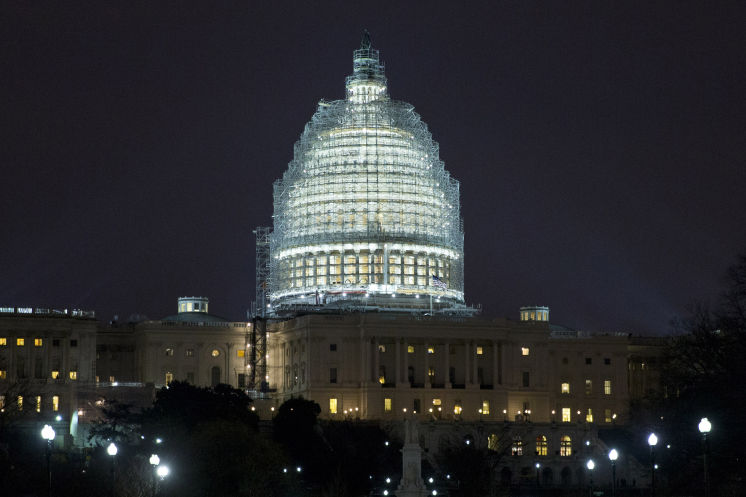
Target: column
<point>397,364</point>
<point>495,374</point>
<point>467,372</point>
<point>447,365</point>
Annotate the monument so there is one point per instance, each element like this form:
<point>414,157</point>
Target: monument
<point>411,484</point>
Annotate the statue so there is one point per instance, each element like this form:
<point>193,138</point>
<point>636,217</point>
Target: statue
<point>411,484</point>
<point>365,43</point>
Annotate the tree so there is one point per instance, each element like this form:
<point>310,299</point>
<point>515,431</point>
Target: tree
<point>704,376</point>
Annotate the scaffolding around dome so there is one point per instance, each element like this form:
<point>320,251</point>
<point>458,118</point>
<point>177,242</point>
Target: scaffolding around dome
<point>366,216</point>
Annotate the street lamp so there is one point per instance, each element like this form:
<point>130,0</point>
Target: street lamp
<point>154,461</point>
<point>652,441</point>
<point>613,456</point>
<point>590,465</point>
<point>704,428</point>
<point>162,471</point>
<point>537,465</point>
<point>112,451</point>
<point>47,433</point>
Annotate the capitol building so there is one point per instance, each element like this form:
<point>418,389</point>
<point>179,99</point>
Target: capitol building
<point>360,307</point>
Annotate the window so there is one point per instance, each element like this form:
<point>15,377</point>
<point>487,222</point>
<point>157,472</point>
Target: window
<point>437,408</point>
<point>607,361</point>
<point>333,375</point>
<point>240,353</point>
<point>38,403</point>
<point>56,403</point>
<point>480,350</point>
<point>3,374</point>
<point>493,441</point>
<point>588,361</point>
<point>431,350</point>
<point>416,405</point>
<point>565,388</point>
<point>431,374</point>
<point>607,416</point>
<point>190,378</point>
<point>541,445</point>
<point>485,407</point>
<point>332,406</point>
<point>565,446</point>
<point>526,382</point>
<point>565,360</point>
<point>73,375</point>
<point>55,342</point>
<point>525,351</point>
<point>3,342</point>
<point>2,402</point>
<point>381,374</point>
<point>189,352</point>
<point>169,377</point>
<point>215,353</point>
<point>112,379</point>
<point>38,342</point>
<point>73,343</point>
<point>517,447</point>
<point>588,387</point>
<point>55,375</point>
<point>607,387</point>
<point>381,348</point>
<point>457,409</point>
<point>566,415</point>
<point>589,416</point>
<point>387,404</point>
<point>169,352</point>
<point>20,342</point>
<point>410,349</point>
<point>19,400</point>
<point>332,347</point>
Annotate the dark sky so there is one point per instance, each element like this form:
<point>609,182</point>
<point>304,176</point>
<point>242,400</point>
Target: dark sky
<point>599,145</point>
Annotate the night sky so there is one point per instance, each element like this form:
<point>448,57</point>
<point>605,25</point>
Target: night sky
<point>600,146</point>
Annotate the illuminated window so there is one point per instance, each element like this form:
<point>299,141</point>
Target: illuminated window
<point>38,403</point>
<point>589,416</point>
<point>189,352</point>
<point>588,387</point>
<point>73,375</point>
<point>240,353</point>
<point>431,350</point>
<point>332,406</point>
<point>381,374</point>
<point>525,351</point>
<point>480,351</point>
<point>55,375</point>
<point>169,351</point>
<point>493,442</point>
<point>387,404</point>
<point>431,373</point>
<point>566,415</point>
<point>457,408</point>
<point>410,349</point>
<point>19,401</point>
<point>607,387</point>
<point>485,407</point>
<point>169,377</point>
<point>607,415</point>
<point>215,353</point>
<point>565,387</point>
<point>56,403</point>
<point>37,342</point>
<point>112,379</point>
<point>381,348</point>
<point>3,342</point>
<point>20,342</point>
<point>565,446</point>
<point>517,447</point>
<point>3,374</point>
<point>541,445</point>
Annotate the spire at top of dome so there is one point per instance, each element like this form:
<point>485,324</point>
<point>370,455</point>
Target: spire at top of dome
<point>368,81</point>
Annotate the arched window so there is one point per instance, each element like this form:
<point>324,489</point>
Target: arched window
<point>541,445</point>
<point>565,446</point>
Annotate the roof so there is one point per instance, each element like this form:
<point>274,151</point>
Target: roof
<point>195,317</point>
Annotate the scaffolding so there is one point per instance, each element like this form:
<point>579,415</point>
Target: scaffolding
<point>366,207</point>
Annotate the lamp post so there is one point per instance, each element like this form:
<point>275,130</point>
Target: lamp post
<point>652,441</point>
<point>537,465</point>
<point>704,428</point>
<point>112,451</point>
<point>154,461</point>
<point>47,433</point>
<point>613,455</point>
<point>590,465</point>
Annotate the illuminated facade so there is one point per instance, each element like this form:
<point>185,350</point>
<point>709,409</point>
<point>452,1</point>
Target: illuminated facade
<point>366,214</point>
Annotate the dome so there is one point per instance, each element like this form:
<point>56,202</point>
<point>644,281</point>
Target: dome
<point>366,212</point>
